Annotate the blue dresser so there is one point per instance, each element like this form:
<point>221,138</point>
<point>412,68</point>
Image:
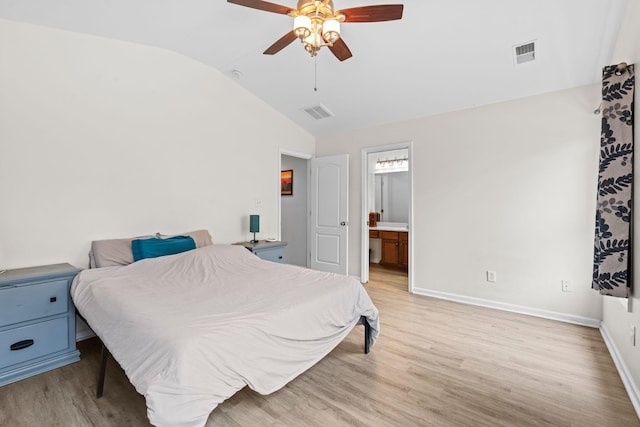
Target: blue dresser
<point>37,321</point>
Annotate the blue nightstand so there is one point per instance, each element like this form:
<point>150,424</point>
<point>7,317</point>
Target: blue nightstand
<point>269,251</point>
<point>37,321</point>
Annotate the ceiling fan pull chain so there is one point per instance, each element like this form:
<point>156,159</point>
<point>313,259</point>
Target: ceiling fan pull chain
<point>315,73</point>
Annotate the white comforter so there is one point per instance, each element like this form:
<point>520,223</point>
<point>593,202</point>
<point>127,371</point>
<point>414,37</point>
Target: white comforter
<point>192,329</point>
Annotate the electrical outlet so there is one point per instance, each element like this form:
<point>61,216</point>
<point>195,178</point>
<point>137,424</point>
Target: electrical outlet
<point>491,276</point>
<point>566,286</point>
<point>632,335</point>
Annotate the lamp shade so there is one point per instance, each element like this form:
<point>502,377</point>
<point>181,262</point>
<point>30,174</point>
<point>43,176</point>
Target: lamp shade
<point>331,30</point>
<point>254,223</point>
<point>302,26</point>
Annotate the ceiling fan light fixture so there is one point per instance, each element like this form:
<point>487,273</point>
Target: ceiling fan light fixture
<point>331,30</point>
<point>302,27</point>
<point>313,50</point>
<point>316,23</point>
<point>312,43</point>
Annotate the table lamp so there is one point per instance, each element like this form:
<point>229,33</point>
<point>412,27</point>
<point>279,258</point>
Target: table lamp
<point>254,226</point>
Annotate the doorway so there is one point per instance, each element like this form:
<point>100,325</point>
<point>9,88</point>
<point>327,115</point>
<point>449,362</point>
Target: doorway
<point>313,213</point>
<point>294,208</point>
<point>387,238</point>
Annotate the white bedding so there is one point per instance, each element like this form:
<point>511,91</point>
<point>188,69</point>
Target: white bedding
<point>192,329</point>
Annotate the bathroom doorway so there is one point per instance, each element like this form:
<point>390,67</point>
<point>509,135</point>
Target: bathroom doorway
<point>387,214</point>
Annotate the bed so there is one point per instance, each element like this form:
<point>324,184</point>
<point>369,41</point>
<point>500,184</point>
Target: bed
<point>193,328</point>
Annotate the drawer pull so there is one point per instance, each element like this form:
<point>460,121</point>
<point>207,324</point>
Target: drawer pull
<point>280,257</point>
<point>53,299</point>
<point>21,345</point>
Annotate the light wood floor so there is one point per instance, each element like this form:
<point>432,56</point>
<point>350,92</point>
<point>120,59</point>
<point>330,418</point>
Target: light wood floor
<point>436,363</point>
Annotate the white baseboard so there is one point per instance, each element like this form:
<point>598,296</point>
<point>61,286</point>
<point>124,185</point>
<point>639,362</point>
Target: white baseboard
<point>623,371</point>
<point>562,317</point>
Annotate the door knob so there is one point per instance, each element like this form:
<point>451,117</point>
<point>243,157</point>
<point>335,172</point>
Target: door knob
<point>343,223</point>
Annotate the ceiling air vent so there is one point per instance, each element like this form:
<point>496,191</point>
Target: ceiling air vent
<point>525,52</point>
<point>318,112</point>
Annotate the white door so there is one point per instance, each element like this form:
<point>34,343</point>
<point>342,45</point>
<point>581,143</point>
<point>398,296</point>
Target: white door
<point>329,213</point>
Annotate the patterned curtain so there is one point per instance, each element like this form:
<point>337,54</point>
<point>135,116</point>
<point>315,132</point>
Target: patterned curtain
<point>612,252</point>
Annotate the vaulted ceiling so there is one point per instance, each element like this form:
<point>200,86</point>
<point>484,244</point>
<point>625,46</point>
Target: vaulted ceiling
<point>443,55</point>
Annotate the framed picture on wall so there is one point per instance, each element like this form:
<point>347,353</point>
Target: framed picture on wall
<point>286,183</point>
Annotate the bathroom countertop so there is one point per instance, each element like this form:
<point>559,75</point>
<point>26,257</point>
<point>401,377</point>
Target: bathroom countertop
<point>390,227</point>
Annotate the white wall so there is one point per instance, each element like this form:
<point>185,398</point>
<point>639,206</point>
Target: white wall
<point>294,212</point>
<point>617,319</point>
<point>103,139</point>
<point>508,187</point>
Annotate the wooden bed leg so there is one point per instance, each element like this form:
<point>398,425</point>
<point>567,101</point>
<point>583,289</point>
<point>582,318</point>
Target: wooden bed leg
<point>103,368</point>
<point>367,334</point>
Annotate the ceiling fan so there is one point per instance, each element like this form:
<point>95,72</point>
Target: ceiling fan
<point>316,24</point>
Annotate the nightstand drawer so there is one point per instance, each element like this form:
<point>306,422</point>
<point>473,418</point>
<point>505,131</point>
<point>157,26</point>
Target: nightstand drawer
<point>268,251</point>
<point>21,303</point>
<point>29,342</point>
<point>274,254</point>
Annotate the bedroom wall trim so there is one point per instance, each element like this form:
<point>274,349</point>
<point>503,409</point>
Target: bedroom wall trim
<point>546,314</point>
<point>623,370</point>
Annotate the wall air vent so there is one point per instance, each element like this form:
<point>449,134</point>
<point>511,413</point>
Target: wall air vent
<point>318,112</point>
<point>525,52</point>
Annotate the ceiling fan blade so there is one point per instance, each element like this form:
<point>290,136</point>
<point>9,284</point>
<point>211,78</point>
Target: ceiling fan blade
<point>383,12</point>
<point>262,5</point>
<point>282,42</point>
<point>340,50</point>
